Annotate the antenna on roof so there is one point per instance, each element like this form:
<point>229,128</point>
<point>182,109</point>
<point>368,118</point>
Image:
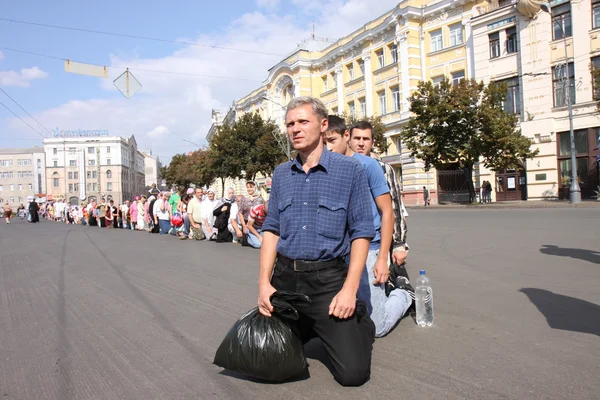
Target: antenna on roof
<point>313,30</point>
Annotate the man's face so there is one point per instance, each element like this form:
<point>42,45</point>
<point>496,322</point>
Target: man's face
<point>211,196</point>
<point>199,194</point>
<point>361,141</point>
<point>336,142</point>
<point>127,203</point>
<point>304,128</point>
<point>230,193</point>
<point>250,189</point>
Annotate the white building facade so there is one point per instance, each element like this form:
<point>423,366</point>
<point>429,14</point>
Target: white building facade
<point>151,169</point>
<point>80,169</point>
<point>22,175</point>
<point>527,51</point>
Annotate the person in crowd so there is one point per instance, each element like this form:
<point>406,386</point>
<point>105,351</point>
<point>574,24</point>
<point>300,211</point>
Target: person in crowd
<point>141,214</point>
<point>153,191</point>
<point>133,213</point>
<point>208,217</point>
<point>256,218</point>
<point>7,212</point>
<point>194,215</point>
<point>114,210</point>
<point>182,211</point>
<point>245,205</point>
<point>21,211</point>
<point>162,213</point>
<point>108,219</point>
<point>385,311</point>
<point>308,254</point>
<point>176,198</point>
<point>153,226</point>
<point>102,209</point>
<point>33,212</point>
<point>124,213</point>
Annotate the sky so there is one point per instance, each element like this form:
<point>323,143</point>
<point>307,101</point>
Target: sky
<point>181,83</point>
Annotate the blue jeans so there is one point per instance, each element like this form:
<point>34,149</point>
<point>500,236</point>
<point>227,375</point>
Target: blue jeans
<point>385,311</point>
<point>164,225</point>
<point>186,225</point>
<point>254,241</point>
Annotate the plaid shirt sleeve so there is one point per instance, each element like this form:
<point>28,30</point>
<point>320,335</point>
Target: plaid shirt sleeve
<point>400,228</point>
<point>360,218</point>
<point>271,223</point>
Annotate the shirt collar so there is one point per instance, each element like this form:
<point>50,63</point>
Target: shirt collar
<point>324,162</point>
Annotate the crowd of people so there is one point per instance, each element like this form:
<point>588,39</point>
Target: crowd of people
<point>188,213</point>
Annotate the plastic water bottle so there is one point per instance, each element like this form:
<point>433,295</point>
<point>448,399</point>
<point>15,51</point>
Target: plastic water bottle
<point>424,300</point>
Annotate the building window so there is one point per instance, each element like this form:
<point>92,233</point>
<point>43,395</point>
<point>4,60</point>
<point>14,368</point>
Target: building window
<point>108,160</point>
<point>55,163</point>
<point>30,186</point>
<point>108,150</point>
<point>91,163</point>
<point>109,186</point>
<point>382,102</point>
<point>437,42</point>
<point>437,81</point>
<point>361,67</point>
<point>363,107</point>
<point>595,14</point>
<point>94,187</point>
<point>20,187</point>
<point>70,187</point>
<point>21,200</point>
<point>456,34</point>
<point>1,188</point>
<point>581,143</point>
<point>560,81</point>
<point>561,21</point>
<point>512,104</point>
<point>396,98</point>
<point>108,174</point>
<point>494,45</point>
<point>55,179</point>
<point>596,77</point>
<point>76,187</point>
<point>72,163</point>
<point>75,175</point>
<point>70,175</point>
<point>458,77</point>
<point>6,163</point>
<point>91,150</point>
<point>352,109</point>
<point>350,69</point>
<point>380,58</point>
<point>394,53</point>
<point>12,188</point>
<point>512,40</point>
<point>72,150</point>
<point>325,83</point>
<point>55,151</point>
<point>12,199</point>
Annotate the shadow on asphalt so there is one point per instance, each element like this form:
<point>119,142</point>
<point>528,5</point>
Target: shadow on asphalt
<point>564,312</point>
<point>581,254</point>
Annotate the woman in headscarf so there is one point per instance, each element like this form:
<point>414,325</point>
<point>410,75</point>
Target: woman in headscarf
<point>33,212</point>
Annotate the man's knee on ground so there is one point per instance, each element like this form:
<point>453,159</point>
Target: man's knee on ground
<point>355,375</point>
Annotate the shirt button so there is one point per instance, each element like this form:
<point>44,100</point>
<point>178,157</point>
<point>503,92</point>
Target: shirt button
<point>304,227</point>
<point>307,180</point>
<point>305,203</point>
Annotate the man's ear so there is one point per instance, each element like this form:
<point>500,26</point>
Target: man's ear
<point>347,135</point>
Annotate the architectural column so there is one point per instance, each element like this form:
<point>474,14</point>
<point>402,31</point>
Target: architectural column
<point>366,57</point>
<point>402,41</point>
<point>469,50</point>
<point>296,89</point>
<point>339,83</point>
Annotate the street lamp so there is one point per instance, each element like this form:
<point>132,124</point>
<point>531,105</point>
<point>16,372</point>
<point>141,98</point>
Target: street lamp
<point>574,191</point>
<point>195,144</point>
<point>287,149</point>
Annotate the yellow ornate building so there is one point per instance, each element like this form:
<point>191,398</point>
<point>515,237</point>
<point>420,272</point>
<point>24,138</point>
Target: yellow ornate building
<point>373,71</point>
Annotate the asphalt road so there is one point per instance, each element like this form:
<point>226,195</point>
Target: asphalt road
<point>87,313</point>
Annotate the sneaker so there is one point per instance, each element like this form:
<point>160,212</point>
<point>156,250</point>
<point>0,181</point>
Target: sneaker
<point>401,280</point>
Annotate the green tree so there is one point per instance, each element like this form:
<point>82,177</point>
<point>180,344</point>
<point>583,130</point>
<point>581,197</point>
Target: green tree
<point>464,124</point>
<point>379,140</point>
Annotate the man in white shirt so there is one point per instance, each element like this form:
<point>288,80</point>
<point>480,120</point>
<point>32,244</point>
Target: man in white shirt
<point>162,212</point>
<point>234,223</point>
<point>124,211</point>
<point>208,218</point>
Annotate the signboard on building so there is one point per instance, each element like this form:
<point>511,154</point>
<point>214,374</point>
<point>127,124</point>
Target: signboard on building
<point>502,23</point>
<point>79,132</point>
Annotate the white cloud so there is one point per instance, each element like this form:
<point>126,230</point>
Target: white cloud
<point>267,4</point>
<point>159,131</point>
<point>22,78</point>
<point>182,102</point>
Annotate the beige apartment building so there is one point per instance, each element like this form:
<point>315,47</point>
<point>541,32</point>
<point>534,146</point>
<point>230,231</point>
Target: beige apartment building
<point>84,168</point>
<point>22,175</point>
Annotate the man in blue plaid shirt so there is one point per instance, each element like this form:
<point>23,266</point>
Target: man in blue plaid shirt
<point>319,214</point>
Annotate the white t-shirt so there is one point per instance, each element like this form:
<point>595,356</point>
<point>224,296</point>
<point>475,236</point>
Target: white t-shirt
<point>163,215</point>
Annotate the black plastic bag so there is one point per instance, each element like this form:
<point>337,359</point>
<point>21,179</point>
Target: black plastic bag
<point>267,348</point>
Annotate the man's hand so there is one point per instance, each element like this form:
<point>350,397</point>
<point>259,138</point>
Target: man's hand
<point>224,208</point>
<point>239,234</point>
<point>343,304</point>
<point>265,291</point>
<point>245,230</point>
<point>381,271</point>
<point>399,257</point>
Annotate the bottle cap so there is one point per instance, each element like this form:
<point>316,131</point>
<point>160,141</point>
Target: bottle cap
<point>422,272</point>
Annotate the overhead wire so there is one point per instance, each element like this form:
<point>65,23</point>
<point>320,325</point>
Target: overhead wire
<point>26,112</point>
<point>140,37</point>
<point>131,68</point>
<point>22,120</point>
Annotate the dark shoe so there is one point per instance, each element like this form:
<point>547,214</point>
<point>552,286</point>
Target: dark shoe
<point>399,275</point>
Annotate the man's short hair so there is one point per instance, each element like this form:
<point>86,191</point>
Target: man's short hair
<point>362,125</point>
<point>336,124</point>
<point>317,106</point>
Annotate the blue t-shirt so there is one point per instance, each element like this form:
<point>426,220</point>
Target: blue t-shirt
<point>377,186</point>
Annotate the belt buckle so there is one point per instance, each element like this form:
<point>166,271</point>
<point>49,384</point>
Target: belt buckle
<point>295,270</point>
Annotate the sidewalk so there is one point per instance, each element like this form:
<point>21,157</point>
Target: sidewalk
<point>516,204</point>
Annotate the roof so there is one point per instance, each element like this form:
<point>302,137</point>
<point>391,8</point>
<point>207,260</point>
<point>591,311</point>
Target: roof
<point>29,150</point>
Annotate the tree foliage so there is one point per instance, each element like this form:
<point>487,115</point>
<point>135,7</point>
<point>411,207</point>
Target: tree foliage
<point>379,140</point>
<point>464,124</point>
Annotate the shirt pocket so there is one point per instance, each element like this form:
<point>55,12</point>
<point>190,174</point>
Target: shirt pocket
<point>331,219</point>
<point>285,217</point>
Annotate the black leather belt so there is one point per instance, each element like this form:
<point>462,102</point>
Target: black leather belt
<point>308,266</point>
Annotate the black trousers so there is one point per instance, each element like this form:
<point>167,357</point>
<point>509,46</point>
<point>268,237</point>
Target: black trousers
<point>349,343</point>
